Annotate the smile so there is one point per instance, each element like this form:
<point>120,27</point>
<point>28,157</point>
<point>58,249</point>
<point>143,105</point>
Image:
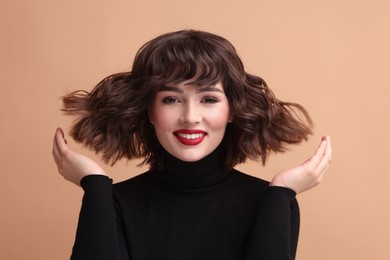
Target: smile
<point>190,137</point>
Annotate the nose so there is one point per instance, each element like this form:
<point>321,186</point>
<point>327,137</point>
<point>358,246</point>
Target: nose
<point>191,114</point>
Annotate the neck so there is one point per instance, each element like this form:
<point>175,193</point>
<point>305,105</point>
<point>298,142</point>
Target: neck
<point>206,172</point>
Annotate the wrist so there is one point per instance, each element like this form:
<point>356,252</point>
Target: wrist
<point>280,183</point>
<point>93,178</point>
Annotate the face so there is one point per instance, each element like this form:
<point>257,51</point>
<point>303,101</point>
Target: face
<point>190,121</point>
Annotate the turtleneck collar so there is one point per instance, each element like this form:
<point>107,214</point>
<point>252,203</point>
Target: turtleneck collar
<point>206,172</point>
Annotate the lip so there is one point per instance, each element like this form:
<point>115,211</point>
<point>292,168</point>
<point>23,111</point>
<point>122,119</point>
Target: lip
<point>190,136</point>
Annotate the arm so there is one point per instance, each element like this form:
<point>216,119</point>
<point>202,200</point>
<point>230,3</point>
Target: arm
<point>96,236</point>
<point>275,233</point>
<point>276,229</point>
<point>97,232</point>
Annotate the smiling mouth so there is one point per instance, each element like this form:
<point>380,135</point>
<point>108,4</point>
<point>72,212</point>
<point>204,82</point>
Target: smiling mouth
<point>190,137</point>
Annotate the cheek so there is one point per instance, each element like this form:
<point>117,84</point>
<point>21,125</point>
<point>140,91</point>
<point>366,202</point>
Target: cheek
<point>161,117</point>
<point>219,117</point>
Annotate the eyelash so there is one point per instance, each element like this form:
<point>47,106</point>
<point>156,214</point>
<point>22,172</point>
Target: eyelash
<point>210,100</point>
<point>171,100</point>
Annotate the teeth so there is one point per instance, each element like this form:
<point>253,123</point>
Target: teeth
<point>191,136</point>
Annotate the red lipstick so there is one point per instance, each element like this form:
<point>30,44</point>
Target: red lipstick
<point>190,137</point>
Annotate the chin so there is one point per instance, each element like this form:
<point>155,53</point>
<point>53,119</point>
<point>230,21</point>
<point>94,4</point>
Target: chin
<point>190,157</point>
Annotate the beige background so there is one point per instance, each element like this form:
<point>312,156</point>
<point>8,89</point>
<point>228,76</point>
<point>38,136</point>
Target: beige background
<point>331,56</point>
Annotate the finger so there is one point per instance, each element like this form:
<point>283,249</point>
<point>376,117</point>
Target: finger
<point>56,148</point>
<point>60,141</point>
<point>324,163</point>
<point>313,161</point>
<point>326,158</point>
<point>56,153</point>
<point>321,148</point>
<point>328,151</point>
<point>322,171</point>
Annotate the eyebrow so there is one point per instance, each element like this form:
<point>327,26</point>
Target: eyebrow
<point>170,88</point>
<point>199,90</point>
<point>209,89</point>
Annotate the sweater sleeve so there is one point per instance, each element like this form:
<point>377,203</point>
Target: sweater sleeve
<point>98,234</point>
<point>275,233</point>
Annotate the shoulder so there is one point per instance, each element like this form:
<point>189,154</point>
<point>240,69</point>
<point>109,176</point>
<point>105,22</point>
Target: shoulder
<point>140,182</point>
<point>245,184</point>
<point>248,179</point>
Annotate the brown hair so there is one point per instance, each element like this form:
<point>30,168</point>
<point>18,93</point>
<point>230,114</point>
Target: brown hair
<point>113,118</point>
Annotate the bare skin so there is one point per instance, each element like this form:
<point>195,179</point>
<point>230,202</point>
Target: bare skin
<point>310,173</point>
<point>74,166</point>
<point>71,165</point>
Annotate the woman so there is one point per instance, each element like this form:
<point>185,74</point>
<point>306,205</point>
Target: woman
<point>189,109</point>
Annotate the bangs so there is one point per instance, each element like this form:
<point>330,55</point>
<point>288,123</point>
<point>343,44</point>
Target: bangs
<point>199,60</point>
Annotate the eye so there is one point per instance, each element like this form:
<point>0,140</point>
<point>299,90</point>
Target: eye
<point>170,100</point>
<point>209,100</point>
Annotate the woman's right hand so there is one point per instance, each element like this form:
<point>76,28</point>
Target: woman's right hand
<point>71,165</point>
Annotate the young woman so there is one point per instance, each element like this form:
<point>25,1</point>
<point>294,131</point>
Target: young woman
<point>189,109</point>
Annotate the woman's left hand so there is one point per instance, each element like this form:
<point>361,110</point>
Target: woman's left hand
<point>310,173</point>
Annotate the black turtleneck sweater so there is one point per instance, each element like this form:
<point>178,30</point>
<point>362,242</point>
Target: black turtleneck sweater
<point>187,211</point>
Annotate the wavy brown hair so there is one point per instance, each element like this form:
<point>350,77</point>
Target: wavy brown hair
<point>113,119</point>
